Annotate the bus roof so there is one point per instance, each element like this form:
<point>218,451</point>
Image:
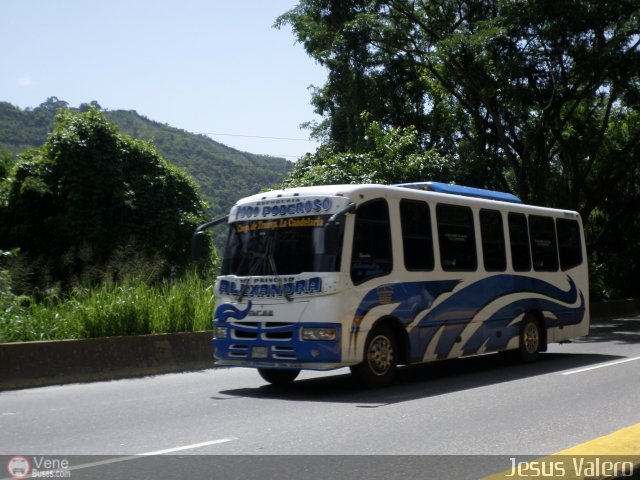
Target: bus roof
<point>461,190</point>
<point>436,187</point>
<point>432,188</point>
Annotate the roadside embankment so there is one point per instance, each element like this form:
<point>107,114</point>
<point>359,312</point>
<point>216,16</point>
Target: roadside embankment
<point>33,364</point>
<point>615,309</point>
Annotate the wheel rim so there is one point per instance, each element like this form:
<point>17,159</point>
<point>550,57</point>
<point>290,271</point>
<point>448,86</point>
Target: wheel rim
<point>531,337</point>
<point>380,355</point>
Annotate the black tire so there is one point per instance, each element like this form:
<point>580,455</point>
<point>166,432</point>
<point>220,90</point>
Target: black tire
<point>278,377</point>
<point>380,359</point>
<point>530,339</point>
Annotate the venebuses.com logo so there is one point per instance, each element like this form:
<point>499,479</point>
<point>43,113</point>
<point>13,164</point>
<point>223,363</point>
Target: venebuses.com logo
<point>18,467</point>
<point>38,467</point>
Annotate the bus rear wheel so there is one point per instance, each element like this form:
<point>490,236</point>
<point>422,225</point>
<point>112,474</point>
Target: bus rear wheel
<point>380,359</point>
<point>278,377</point>
<point>530,339</point>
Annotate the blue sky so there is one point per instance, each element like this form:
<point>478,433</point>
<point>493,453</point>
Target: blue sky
<point>205,66</point>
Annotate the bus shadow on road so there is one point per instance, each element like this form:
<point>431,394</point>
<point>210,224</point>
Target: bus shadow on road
<point>423,381</point>
<point>617,330</point>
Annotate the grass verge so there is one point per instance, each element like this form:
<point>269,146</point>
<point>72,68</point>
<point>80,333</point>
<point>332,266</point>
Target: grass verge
<point>131,308</point>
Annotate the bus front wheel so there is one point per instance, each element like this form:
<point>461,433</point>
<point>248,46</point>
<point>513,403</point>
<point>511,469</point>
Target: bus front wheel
<point>278,377</point>
<point>380,359</point>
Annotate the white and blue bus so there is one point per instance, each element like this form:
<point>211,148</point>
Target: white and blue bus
<point>373,276</point>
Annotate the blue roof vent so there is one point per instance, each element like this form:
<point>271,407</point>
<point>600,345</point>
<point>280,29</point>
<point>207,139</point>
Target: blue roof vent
<point>460,190</point>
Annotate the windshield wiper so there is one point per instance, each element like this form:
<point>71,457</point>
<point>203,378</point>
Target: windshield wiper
<point>265,261</point>
<point>271,247</point>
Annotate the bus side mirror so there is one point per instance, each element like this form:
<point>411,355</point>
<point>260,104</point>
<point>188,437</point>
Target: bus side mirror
<point>332,235</point>
<point>199,241</point>
<point>198,246</point>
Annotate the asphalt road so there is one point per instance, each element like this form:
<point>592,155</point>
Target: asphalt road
<point>455,419</point>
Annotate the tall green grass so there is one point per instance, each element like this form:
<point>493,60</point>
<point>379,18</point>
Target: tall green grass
<point>131,308</point>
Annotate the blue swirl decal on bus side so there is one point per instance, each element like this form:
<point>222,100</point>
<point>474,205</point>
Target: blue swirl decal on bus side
<point>414,297</point>
<point>456,312</point>
<point>485,337</point>
<point>446,322</point>
<point>226,310</point>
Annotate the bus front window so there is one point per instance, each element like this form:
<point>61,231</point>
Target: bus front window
<point>281,246</point>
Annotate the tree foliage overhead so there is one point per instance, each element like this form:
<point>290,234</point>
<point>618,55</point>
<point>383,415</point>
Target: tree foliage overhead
<point>393,156</point>
<point>530,88</point>
<point>539,97</point>
<point>90,194</point>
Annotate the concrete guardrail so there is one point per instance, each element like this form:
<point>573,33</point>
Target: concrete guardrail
<point>30,364</point>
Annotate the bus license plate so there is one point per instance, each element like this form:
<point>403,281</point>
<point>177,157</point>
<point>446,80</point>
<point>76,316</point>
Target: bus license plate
<point>259,352</point>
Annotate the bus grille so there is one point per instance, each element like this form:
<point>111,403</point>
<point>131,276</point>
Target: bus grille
<point>268,334</point>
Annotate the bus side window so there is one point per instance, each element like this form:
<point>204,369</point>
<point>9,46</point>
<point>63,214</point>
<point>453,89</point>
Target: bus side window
<point>518,233</point>
<point>372,253</point>
<point>569,243</point>
<point>457,238</point>
<point>493,247</point>
<point>544,251</point>
<point>417,242</point>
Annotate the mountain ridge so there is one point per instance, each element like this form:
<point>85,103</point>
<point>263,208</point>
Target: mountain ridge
<point>223,174</point>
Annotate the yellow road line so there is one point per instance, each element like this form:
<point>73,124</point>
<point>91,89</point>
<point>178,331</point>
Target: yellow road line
<point>603,457</point>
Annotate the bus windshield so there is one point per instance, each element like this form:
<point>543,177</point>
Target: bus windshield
<point>282,246</point>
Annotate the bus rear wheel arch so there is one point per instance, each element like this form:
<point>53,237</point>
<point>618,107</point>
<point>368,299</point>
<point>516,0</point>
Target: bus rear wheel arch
<point>532,338</point>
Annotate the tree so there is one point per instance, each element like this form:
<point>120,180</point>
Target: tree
<point>542,84</point>
<point>6,164</point>
<point>539,96</point>
<point>392,156</point>
<point>334,33</point>
<point>90,196</point>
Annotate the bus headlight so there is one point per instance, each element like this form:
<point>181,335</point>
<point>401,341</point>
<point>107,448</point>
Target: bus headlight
<point>219,333</point>
<point>318,333</point>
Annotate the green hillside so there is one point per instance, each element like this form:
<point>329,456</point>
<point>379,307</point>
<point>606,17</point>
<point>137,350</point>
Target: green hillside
<point>223,174</point>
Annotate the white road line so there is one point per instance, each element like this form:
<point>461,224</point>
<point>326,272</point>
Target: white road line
<point>188,447</point>
<point>602,365</point>
<point>151,454</point>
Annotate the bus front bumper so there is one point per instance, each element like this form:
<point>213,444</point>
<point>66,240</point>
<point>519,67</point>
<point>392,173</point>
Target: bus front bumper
<point>278,345</point>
